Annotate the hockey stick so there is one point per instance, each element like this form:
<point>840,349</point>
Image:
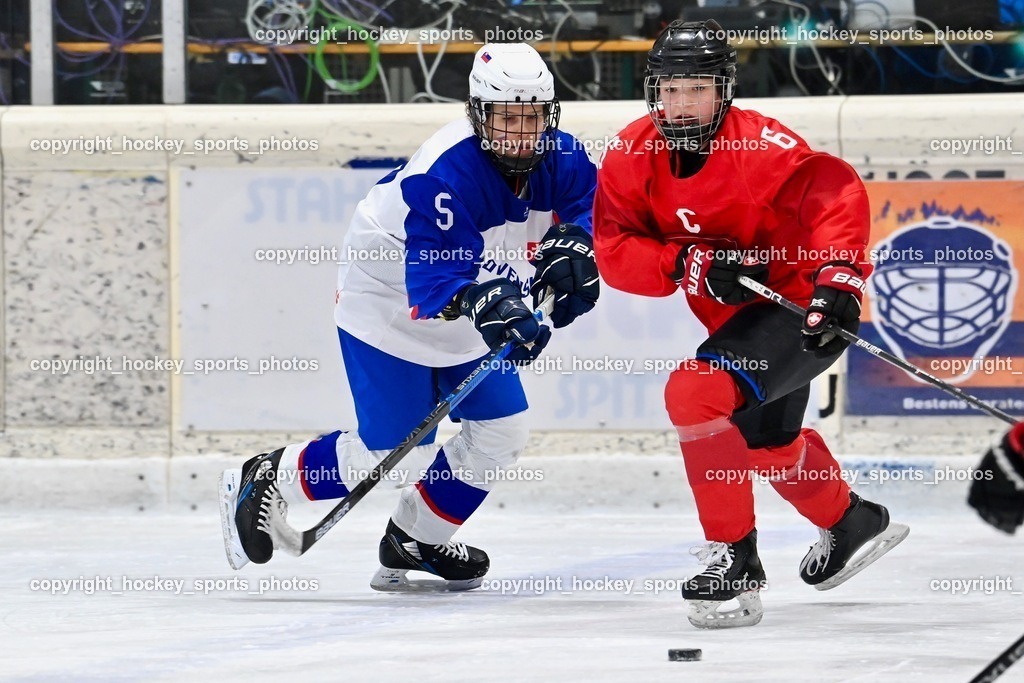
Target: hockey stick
<point>1001,663</point>
<point>771,295</point>
<point>298,542</point>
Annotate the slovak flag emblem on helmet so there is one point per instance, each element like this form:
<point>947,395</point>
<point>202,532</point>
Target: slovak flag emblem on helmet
<point>486,57</point>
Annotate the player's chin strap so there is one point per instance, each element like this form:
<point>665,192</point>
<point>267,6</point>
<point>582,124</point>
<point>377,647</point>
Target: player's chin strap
<point>771,295</point>
<point>298,542</point>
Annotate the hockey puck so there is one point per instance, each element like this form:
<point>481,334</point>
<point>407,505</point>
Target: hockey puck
<point>684,655</point>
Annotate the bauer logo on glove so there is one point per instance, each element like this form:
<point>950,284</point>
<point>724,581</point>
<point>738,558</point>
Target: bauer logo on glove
<point>500,315</point>
<point>714,273</point>
<point>565,264</point>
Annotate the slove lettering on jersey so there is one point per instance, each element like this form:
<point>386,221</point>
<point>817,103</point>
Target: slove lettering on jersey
<point>506,270</point>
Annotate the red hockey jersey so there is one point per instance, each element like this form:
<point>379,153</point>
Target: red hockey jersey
<point>762,190</point>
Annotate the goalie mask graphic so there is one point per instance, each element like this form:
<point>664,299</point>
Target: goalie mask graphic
<point>954,302</point>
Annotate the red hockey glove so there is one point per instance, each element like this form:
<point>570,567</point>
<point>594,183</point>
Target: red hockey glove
<point>714,273</point>
<point>838,291</point>
<point>998,495</point>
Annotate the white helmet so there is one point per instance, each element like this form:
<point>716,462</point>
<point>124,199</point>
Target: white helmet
<point>511,73</point>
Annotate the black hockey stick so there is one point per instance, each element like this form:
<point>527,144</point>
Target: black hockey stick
<point>298,542</point>
<point>771,295</point>
<point>1001,663</point>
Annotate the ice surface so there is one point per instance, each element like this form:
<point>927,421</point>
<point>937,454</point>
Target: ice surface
<point>886,624</point>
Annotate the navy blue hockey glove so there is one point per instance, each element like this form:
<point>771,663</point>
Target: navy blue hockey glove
<point>998,494</point>
<point>565,263</point>
<point>714,273</point>
<point>498,311</point>
<point>838,290</point>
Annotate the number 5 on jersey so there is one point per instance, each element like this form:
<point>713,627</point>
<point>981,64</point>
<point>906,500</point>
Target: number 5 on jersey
<point>447,218</point>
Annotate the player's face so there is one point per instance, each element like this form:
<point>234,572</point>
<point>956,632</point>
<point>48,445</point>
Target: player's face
<point>515,129</point>
<point>689,101</point>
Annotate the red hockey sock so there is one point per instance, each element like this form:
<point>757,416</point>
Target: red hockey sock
<point>778,462</point>
<point>699,402</point>
<point>813,483</point>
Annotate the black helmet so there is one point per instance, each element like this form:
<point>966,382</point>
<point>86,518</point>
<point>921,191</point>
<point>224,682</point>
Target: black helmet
<point>689,50</point>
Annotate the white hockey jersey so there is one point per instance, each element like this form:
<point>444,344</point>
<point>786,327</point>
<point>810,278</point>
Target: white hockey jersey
<point>445,219</point>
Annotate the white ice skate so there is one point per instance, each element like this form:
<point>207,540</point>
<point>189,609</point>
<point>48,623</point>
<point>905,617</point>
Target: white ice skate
<point>727,594</point>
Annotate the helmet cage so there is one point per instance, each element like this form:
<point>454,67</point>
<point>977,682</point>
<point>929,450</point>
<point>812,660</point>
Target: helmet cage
<point>689,135</point>
<point>494,138</point>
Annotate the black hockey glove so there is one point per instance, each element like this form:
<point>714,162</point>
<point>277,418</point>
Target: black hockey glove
<point>565,263</point>
<point>714,273</point>
<point>838,291</point>
<point>997,492</point>
<point>497,309</point>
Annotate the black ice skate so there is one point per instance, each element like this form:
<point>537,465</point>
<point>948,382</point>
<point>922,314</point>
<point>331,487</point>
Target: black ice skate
<point>246,498</point>
<point>835,558</point>
<point>734,572</point>
<point>459,566</point>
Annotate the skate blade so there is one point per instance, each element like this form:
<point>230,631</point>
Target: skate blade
<point>706,613</point>
<point>389,580</point>
<point>890,537</point>
<point>229,480</point>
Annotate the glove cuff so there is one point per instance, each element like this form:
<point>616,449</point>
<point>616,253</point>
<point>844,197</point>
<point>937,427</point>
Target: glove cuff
<point>453,309</point>
<point>1015,439</point>
<point>839,263</point>
<point>565,229</point>
<point>1010,459</point>
<point>846,278</point>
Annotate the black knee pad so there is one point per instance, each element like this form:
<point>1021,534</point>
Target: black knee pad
<point>774,424</point>
<point>760,347</point>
